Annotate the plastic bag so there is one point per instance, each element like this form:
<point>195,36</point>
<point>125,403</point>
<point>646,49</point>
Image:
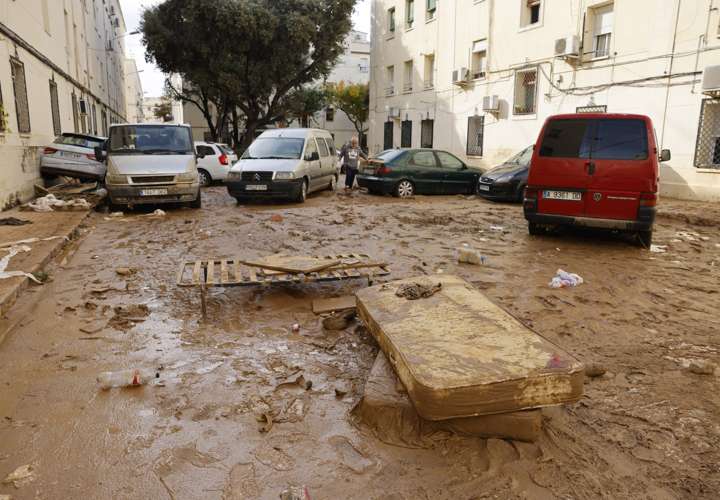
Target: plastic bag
<point>563,279</point>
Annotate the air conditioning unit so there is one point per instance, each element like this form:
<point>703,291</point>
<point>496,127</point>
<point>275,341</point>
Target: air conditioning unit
<point>460,76</point>
<point>394,113</point>
<point>711,81</point>
<point>491,103</point>
<point>568,46</point>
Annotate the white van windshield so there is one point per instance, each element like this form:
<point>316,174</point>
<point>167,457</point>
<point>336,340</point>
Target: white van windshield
<point>275,148</point>
<point>151,139</point>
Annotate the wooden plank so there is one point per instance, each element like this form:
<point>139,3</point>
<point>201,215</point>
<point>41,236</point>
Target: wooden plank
<point>210,272</point>
<point>223,271</point>
<point>180,273</point>
<point>321,306</point>
<point>290,264</point>
<point>253,276</point>
<point>460,355</point>
<point>196,272</point>
<point>238,272</point>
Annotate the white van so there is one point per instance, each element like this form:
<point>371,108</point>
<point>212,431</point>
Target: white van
<point>151,163</point>
<point>285,163</point>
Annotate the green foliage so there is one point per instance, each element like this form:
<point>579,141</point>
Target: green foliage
<point>303,103</point>
<point>163,110</point>
<point>247,54</point>
<point>354,100</point>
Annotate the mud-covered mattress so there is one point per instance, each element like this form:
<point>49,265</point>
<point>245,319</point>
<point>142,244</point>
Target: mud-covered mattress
<point>460,355</point>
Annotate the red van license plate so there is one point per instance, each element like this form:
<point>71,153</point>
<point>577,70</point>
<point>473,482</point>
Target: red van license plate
<point>562,195</point>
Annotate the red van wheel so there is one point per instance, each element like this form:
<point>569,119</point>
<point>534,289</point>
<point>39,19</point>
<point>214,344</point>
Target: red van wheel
<point>534,229</point>
<point>645,238</point>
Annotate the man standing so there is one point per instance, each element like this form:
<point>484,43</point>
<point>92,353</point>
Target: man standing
<point>350,159</point>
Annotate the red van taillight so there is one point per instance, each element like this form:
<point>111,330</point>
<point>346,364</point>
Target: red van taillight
<point>531,193</point>
<point>383,170</point>
<point>648,199</point>
<point>224,160</point>
<point>49,151</point>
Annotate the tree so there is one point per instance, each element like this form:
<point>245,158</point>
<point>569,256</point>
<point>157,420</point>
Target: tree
<point>214,107</point>
<point>252,53</point>
<point>163,110</point>
<point>303,103</point>
<point>353,100</point>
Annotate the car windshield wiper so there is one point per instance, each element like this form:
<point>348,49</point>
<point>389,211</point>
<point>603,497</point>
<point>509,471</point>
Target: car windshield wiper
<point>163,152</point>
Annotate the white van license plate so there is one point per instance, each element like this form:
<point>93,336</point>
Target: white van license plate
<point>562,195</point>
<point>256,187</point>
<point>153,192</point>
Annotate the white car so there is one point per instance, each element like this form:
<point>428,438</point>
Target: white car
<point>73,155</point>
<point>214,161</point>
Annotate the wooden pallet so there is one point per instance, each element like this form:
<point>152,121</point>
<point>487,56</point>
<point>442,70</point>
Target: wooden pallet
<point>237,272</point>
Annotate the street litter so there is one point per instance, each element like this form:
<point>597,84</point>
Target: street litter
<point>156,213</point>
<point>339,320</point>
<point>335,304</point>
<point>116,215</point>
<point>460,355</point>
<point>28,241</point>
<point>295,328</point>
<point>497,228</point>
<point>702,367</point>
<point>13,221</point>
<point>20,476</point>
<point>658,248</point>
<point>470,256</point>
<point>415,291</point>
<point>295,493</point>
<point>125,271</point>
<point>564,279</point>
<point>49,203</point>
<point>5,261</point>
<point>126,378</point>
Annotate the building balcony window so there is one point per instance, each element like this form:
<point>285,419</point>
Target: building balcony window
<point>389,91</point>
<point>407,87</point>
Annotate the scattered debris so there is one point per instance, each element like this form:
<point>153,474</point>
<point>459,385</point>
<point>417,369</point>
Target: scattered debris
<point>350,456</point>
<point>41,276</point>
<point>594,370</point>
<point>13,221</point>
<point>5,261</point>
<point>127,316</point>
<point>115,215</point>
<point>266,422</point>
<point>339,320</point>
<point>297,379</point>
<point>658,248</point>
<point>470,256</point>
<point>295,493</point>
<point>49,203</point>
<point>125,271</point>
<point>20,476</point>
<point>564,279</point>
<point>156,213</point>
<point>415,291</point>
<point>497,228</point>
<point>126,378</point>
<point>28,241</point>
<point>295,328</point>
<point>702,367</point>
<point>342,389</point>
<point>276,218</point>
<point>335,304</point>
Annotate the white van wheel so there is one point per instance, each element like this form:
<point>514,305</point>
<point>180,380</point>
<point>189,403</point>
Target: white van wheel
<point>302,195</point>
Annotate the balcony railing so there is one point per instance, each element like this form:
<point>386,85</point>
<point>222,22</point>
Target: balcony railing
<point>389,91</point>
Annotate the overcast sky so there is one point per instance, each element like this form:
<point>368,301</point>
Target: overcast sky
<point>152,78</point>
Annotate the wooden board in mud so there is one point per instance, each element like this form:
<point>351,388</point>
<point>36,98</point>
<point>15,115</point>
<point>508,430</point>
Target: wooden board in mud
<point>460,355</point>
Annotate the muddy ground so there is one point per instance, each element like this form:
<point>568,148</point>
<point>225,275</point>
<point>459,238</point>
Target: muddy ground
<point>648,428</point>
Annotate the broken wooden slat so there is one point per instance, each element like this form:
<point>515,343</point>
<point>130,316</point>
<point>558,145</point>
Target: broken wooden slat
<point>321,306</point>
<point>253,276</point>
<point>196,272</point>
<point>223,271</point>
<point>180,273</point>
<point>238,272</point>
<point>210,272</point>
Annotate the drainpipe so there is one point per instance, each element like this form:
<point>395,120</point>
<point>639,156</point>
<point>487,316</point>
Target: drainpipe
<point>669,81</point>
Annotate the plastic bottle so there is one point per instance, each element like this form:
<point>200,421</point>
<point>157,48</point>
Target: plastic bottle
<point>126,378</point>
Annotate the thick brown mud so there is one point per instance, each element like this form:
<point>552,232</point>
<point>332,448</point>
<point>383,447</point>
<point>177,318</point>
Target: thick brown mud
<point>647,428</point>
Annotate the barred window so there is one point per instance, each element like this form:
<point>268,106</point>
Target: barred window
<point>55,108</point>
<point>525,92</point>
<point>476,132</point>
<point>22,108</point>
<point>707,147</point>
<point>75,112</point>
<point>3,125</point>
<point>406,134</point>
<point>388,136</point>
<point>426,133</point>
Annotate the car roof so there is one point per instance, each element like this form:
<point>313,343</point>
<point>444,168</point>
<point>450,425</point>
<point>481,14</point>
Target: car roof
<point>84,136</point>
<point>296,133</point>
<point>595,116</point>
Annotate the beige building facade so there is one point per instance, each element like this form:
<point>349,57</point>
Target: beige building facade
<point>479,77</point>
<point>61,70</point>
<point>134,95</point>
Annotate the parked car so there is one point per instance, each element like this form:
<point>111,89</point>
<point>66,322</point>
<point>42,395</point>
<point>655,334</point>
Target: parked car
<point>285,163</point>
<point>507,182</point>
<point>151,163</point>
<point>213,162</point>
<point>595,170</point>
<point>73,155</point>
<point>406,172</point>
<point>231,154</point>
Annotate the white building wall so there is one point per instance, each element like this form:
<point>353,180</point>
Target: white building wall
<point>66,41</point>
<point>644,33</point>
<point>134,94</point>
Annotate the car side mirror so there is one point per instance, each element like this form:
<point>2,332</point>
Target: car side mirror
<point>665,155</point>
<point>100,153</point>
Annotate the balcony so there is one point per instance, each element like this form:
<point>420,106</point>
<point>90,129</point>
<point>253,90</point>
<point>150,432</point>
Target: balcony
<point>407,88</point>
<point>389,91</point>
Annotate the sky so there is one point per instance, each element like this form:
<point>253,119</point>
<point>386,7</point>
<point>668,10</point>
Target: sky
<point>152,79</point>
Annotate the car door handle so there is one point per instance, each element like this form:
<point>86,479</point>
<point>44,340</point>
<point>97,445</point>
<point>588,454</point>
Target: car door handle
<point>590,167</point>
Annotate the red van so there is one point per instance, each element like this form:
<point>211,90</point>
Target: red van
<point>595,170</point>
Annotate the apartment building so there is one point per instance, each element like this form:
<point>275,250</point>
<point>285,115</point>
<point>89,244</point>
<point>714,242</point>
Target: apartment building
<point>134,95</point>
<point>61,70</point>
<point>479,77</point>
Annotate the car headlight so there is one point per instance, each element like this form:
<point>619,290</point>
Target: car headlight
<point>284,175</point>
<point>235,176</point>
<point>115,179</point>
<point>187,177</point>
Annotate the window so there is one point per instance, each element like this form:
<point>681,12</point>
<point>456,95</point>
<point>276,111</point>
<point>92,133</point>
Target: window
<point>55,108</point>
<point>274,147</point>
<point>602,20</point>
<point>74,104</point>
<point>476,133</point>
<point>388,135</point>
<point>525,92</point>
<point>479,58</point>
<point>22,109</point>
<point>449,161</point>
<point>430,9</point>
<point>364,66</point>
<point>310,148</point>
<point>426,133</point>
<point>94,119</point>
<point>330,114</point>
<point>330,145</point>
<point>424,159</point>
<point>391,21</point>
<point>205,151</point>
<point>104,123</point>
<point>620,140</point>
<point>406,134</point>
<point>408,77</point>
<point>3,124</point>
<point>409,13</point>
<point>148,139</point>
<point>429,70</point>
<point>530,13</point>
<point>45,16</point>
<point>390,77</point>
<point>322,147</point>
<point>567,139</point>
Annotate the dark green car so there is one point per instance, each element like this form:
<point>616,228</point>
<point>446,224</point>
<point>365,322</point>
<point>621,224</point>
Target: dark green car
<point>406,172</point>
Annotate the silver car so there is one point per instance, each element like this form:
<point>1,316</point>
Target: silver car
<point>73,155</point>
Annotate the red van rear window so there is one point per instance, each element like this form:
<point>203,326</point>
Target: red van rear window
<point>609,139</point>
